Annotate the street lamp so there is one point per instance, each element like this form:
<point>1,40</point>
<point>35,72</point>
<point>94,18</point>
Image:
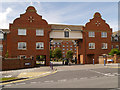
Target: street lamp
<point>104,56</point>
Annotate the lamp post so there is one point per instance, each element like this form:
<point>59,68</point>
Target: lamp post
<point>93,61</point>
<point>104,56</point>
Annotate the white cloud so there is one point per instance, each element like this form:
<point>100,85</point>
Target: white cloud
<point>4,22</point>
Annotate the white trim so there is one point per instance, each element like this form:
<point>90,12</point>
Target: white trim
<point>22,48</point>
<point>40,48</point>
<point>25,33</point>
<point>40,34</point>
<point>91,45</point>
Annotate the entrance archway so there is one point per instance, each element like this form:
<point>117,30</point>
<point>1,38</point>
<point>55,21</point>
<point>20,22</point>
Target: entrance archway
<point>65,37</point>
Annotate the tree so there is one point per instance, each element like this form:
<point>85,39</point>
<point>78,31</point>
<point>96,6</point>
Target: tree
<point>114,51</point>
<point>57,53</point>
<point>42,57</point>
<point>69,55</point>
<point>51,53</point>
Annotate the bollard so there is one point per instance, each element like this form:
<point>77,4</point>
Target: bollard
<point>93,61</point>
<point>104,63</point>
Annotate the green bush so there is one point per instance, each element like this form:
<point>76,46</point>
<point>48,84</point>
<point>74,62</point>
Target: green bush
<point>114,51</point>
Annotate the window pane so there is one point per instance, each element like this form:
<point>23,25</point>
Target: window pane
<point>21,31</point>
<point>39,45</point>
<point>104,45</point>
<point>91,45</point>
<point>104,34</point>
<point>91,34</point>
<point>39,32</point>
<point>22,45</point>
<point>66,34</point>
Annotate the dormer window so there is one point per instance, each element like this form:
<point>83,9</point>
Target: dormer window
<point>66,32</point>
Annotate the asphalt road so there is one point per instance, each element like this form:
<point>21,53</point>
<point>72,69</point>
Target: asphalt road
<point>86,78</point>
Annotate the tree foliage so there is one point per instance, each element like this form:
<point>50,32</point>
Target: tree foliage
<point>69,54</point>
<point>51,54</point>
<point>57,53</point>
<point>114,51</point>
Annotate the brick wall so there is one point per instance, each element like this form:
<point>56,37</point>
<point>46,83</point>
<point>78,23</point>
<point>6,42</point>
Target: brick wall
<point>15,63</point>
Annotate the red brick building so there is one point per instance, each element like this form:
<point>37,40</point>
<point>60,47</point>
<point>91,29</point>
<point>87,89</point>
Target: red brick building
<point>65,46</point>
<point>29,36</point>
<point>96,40</point>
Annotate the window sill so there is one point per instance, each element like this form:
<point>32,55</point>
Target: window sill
<point>22,49</point>
<point>91,37</point>
<point>39,35</point>
<point>39,49</point>
<point>91,48</point>
<point>104,48</point>
<point>103,37</point>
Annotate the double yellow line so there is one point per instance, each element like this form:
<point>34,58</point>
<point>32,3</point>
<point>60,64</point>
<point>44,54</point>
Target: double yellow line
<point>27,79</point>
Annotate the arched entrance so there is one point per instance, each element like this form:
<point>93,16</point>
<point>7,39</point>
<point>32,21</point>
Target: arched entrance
<point>66,38</point>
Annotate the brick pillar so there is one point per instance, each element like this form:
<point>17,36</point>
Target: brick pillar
<point>47,63</point>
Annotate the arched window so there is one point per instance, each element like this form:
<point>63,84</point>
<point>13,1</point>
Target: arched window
<point>66,32</point>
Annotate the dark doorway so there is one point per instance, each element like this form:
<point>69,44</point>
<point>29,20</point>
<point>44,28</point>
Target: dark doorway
<point>41,60</point>
<point>90,58</point>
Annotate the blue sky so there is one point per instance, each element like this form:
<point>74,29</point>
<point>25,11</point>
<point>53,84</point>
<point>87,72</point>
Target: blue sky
<point>73,13</point>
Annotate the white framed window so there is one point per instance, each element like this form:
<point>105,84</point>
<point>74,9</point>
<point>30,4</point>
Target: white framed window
<point>75,49</point>
<point>63,52</point>
<point>67,48</point>
<point>39,32</point>
<point>71,49</point>
<point>21,31</point>
<point>63,45</point>
<point>103,34</point>
<point>63,49</point>
<point>67,45</point>
<point>1,47</point>
<point>117,46</point>
<point>71,46</point>
<point>91,45</point>
<point>104,45</point>
<point>22,45</point>
<point>39,45</point>
<point>58,46</point>
<point>75,52</point>
<point>91,34</point>
<point>75,46</point>
<point>54,46</point>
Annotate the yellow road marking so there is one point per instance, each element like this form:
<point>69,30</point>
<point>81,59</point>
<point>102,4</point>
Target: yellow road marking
<point>28,79</point>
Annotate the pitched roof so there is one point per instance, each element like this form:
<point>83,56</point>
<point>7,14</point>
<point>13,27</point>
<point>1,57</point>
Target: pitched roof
<point>63,26</point>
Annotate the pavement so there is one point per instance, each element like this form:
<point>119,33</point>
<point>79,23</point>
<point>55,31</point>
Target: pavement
<point>73,76</point>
